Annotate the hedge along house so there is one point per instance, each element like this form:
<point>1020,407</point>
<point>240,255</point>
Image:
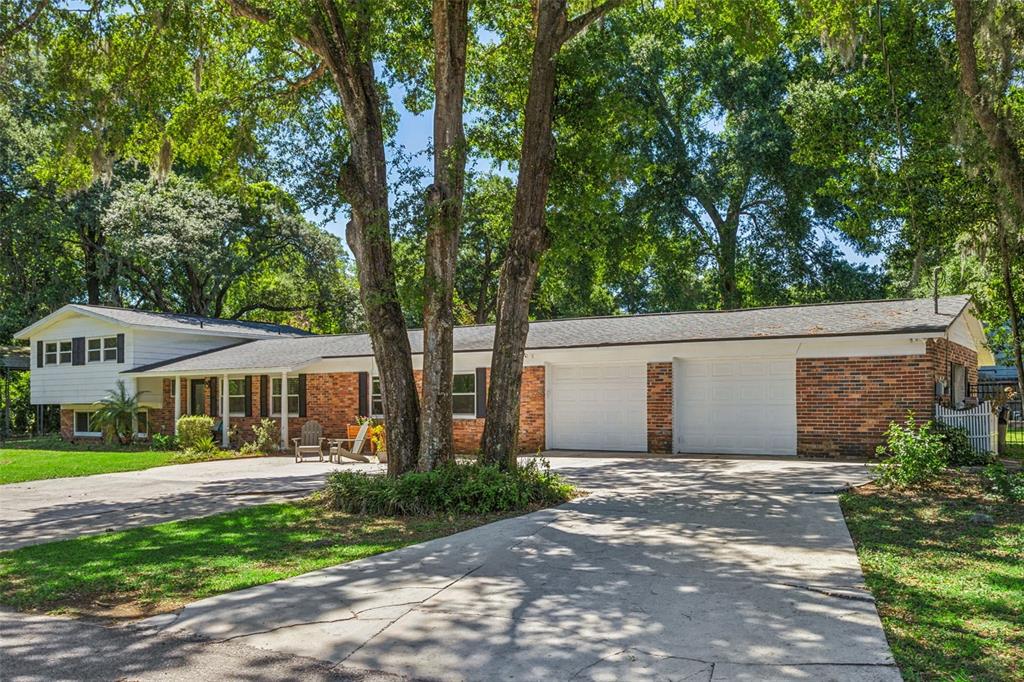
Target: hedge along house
<point>814,380</point>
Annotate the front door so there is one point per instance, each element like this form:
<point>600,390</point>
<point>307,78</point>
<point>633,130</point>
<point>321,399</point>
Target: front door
<point>197,397</point>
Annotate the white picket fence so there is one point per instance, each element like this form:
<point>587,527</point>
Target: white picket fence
<point>980,423</point>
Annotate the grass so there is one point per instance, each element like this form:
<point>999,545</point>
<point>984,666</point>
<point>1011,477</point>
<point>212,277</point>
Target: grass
<point>1015,444</point>
<point>950,592</point>
<point>40,458</point>
<point>155,569</point>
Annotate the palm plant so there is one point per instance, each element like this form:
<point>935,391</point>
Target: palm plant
<point>117,413</point>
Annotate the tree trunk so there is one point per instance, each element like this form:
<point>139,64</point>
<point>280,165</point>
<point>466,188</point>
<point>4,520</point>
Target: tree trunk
<point>1006,264</point>
<point>529,234</point>
<point>727,247</point>
<point>341,42</point>
<point>444,208</point>
<point>996,128</point>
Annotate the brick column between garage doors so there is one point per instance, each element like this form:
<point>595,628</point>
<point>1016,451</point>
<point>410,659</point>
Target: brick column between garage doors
<point>659,407</point>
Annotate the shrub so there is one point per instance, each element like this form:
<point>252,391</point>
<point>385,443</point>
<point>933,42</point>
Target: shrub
<point>266,438</point>
<point>1009,485</point>
<point>203,446</point>
<point>915,453</point>
<point>958,447</point>
<point>116,416</point>
<point>452,488</point>
<point>193,428</point>
<point>160,441</point>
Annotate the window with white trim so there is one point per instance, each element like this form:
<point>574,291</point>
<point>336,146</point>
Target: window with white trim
<point>236,397</point>
<point>57,353</point>
<point>293,397</point>
<point>86,424</point>
<point>464,395</point>
<point>376,399</point>
<point>101,349</point>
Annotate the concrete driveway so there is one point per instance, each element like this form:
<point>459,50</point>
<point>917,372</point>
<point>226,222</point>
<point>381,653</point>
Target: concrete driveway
<point>57,509</point>
<point>669,569</point>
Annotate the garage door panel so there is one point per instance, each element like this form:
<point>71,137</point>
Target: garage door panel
<point>598,407</point>
<point>741,406</point>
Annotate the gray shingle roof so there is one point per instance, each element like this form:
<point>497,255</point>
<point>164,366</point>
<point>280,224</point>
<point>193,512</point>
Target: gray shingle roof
<point>834,319</point>
<point>174,321</point>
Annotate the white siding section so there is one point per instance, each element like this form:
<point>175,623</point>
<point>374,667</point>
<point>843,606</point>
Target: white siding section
<point>85,384</point>
<point>82,384</point>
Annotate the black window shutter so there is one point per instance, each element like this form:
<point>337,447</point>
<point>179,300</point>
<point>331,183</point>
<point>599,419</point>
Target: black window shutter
<point>39,353</point>
<point>302,395</point>
<point>248,395</point>
<point>264,396</point>
<point>364,394</point>
<point>78,350</point>
<point>120,348</point>
<point>481,391</point>
<point>214,402</point>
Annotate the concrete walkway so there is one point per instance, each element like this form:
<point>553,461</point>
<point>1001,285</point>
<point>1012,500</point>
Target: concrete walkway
<point>61,508</point>
<point>670,569</point>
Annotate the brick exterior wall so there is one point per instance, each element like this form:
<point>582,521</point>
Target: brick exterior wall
<point>333,400</point>
<point>844,405</point>
<point>659,407</point>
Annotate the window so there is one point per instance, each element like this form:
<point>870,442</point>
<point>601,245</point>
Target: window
<point>142,423</point>
<point>85,424</point>
<point>376,398</point>
<point>958,384</point>
<point>236,397</point>
<point>293,397</point>
<point>102,349</point>
<point>464,395</point>
<point>57,353</point>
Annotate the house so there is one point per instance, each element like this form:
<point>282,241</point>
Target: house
<point>812,380</point>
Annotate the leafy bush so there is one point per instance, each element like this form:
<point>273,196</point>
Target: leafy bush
<point>958,447</point>
<point>914,453</point>
<point>1009,485</point>
<point>116,415</point>
<point>193,428</point>
<point>266,438</point>
<point>452,488</point>
<point>203,446</point>
<point>160,441</point>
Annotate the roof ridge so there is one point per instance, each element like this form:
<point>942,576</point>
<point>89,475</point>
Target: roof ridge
<point>189,315</point>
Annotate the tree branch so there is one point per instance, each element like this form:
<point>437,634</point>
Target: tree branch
<point>580,23</point>
<point>270,308</point>
<point>26,22</point>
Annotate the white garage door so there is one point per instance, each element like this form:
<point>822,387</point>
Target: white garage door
<point>598,407</point>
<point>735,406</point>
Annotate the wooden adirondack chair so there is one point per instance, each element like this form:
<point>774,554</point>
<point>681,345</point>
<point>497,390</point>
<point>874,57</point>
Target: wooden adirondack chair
<point>340,448</point>
<point>311,443</point>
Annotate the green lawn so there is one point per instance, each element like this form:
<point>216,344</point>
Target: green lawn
<point>37,459</point>
<point>1015,443</point>
<point>950,592</point>
<point>159,568</point>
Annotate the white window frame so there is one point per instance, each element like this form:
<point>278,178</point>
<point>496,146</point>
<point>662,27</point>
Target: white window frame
<point>237,396</point>
<point>275,384</point>
<point>464,415</point>
<point>74,425</point>
<point>107,349</point>
<point>97,434</point>
<point>58,353</point>
<point>376,394</point>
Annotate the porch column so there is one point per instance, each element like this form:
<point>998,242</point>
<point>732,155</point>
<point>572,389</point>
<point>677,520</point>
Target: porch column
<point>225,418</point>
<point>177,402</point>
<point>284,410</point>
